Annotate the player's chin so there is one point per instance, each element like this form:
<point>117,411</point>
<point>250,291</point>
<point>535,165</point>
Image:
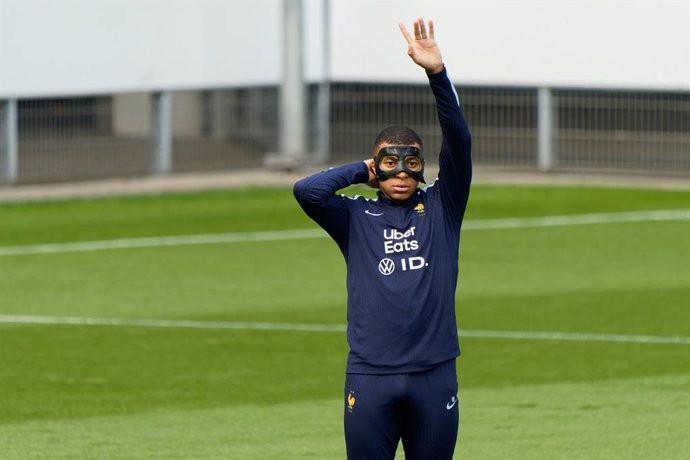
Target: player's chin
<point>401,194</point>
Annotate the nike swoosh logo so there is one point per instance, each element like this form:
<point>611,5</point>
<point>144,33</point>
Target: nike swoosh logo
<point>372,214</point>
<point>452,402</point>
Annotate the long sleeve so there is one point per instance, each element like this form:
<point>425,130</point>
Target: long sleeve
<point>316,195</point>
<point>402,257</point>
<point>455,159</point>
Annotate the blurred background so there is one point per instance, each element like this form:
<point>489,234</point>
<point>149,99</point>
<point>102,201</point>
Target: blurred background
<point>212,325</point>
<point>126,88</point>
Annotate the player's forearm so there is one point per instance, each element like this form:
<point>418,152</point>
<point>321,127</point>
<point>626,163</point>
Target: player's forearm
<point>455,159</point>
<point>453,125</point>
<point>319,187</point>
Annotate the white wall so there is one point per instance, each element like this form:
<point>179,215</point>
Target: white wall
<point>602,43</point>
<point>63,47</point>
<point>98,46</point>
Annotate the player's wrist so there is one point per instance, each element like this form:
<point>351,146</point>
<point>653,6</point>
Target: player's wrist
<point>436,69</point>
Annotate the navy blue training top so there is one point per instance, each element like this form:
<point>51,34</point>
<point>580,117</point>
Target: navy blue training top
<point>402,257</point>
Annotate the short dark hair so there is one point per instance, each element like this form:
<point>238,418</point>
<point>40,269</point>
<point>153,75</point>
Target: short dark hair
<point>397,135</point>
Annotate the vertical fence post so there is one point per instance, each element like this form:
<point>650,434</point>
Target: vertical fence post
<point>293,113</point>
<point>292,110</point>
<point>323,151</point>
<point>162,133</point>
<point>546,124</point>
<point>8,142</point>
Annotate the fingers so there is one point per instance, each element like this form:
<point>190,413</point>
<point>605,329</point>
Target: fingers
<point>420,31</point>
<point>422,28</point>
<point>405,33</point>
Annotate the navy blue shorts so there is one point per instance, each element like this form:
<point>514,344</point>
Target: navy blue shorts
<point>419,408</point>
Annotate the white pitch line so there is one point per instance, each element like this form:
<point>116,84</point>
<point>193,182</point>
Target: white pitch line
<point>575,337</point>
<point>280,235</point>
<point>157,241</point>
<point>579,219</point>
<point>169,323</point>
<point>303,327</point>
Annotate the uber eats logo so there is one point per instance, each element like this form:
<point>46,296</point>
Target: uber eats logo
<point>396,242</point>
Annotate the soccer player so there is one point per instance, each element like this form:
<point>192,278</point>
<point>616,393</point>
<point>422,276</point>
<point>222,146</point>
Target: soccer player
<point>401,251</point>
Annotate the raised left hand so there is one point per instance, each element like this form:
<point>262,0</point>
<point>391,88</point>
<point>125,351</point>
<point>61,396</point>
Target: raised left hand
<point>422,48</point>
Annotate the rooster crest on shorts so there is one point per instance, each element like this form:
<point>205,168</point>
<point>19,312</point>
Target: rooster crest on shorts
<point>351,400</point>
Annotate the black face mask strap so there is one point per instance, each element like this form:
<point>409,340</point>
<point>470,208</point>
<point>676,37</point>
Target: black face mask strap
<point>401,152</point>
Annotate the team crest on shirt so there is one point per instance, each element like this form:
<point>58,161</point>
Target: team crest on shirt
<point>351,400</point>
<point>420,209</point>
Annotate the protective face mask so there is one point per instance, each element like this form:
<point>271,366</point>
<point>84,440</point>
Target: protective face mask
<point>394,159</point>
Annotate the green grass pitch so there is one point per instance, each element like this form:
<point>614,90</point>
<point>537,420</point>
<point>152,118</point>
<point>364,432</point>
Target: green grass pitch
<point>135,392</point>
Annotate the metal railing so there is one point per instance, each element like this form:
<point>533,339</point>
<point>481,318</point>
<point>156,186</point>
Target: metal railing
<point>124,135</point>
